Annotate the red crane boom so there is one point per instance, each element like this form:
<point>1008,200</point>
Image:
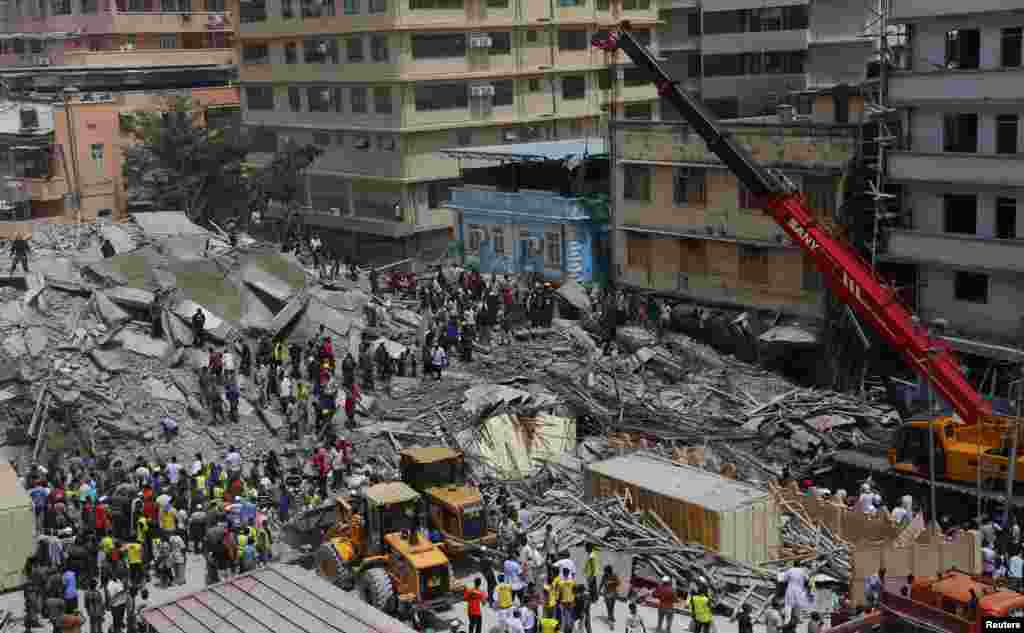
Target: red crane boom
<point>847,274</point>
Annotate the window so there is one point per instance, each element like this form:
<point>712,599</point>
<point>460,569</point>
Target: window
<point>286,9</point>
<point>970,287</point>
<point>320,99</point>
<point>504,92</point>
<point>354,48</point>
<point>793,63</point>
<point>96,154</point>
<point>295,99</point>
<point>604,78</point>
<point>439,46</point>
<point>532,36</point>
<point>745,199</point>
<point>351,7</point>
<point>795,18</point>
<point>961,214</point>
<point>322,139</point>
<point>438,194</point>
<point>533,85</point>
<point>251,12</point>
<point>638,112</point>
<point>36,46</point>
<point>441,97</point>
<point>259,97</point>
<point>572,40</point>
<point>694,64</point>
<point>553,252</point>
<point>636,5</point>
<point>435,4</point>
<point>382,100</point>
<point>168,40</point>
<point>723,65</point>
<point>19,47</point>
<point>602,5</point>
<point>339,102</point>
<point>720,22</point>
<point>463,137</point>
<point>255,54</point>
<point>386,143</point>
<point>693,26</point>
<point>497,4</point>
<point>688,187</point>
<point>574,87</point>
<point>90,6</point>
<point>320,50</point>
<point>1006,133</point>
<point>498,239</point>
<point>215,6</point>
<point>474,235</point>
<point>1006,218</point>
<point>765,20</point>
<point>291,53</point>
<point>31,164</point>
<point>501,42</point>
<point>378,6</point>
<point>358,97</point>
<point>62,7</point>
<point>636,183</point>
<point>960,133</point>
<point>1011,47</point>
<point>379,48</point>
<point>963,49</point>
<point>571,3</point>
<point>633,76</point>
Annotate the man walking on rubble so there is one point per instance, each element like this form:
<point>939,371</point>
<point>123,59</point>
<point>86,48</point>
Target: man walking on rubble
<point>19,251</point>
<point>198,325</point>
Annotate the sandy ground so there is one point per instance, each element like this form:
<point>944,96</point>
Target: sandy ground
<point>195,573</point>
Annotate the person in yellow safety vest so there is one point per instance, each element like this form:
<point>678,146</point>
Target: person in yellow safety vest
<point>566,600</point>
<point>242,540</point>
<point>141,529</point>
<point>503,599</point>
<point>549,625</point>
<point>135,561</point>
<point>551,596</point>
<point>590,570</point>
<point>200,481</point>
<point>264,544</point>
<point>700,609</point>
<point>168,519</point>
<point>218,492</point>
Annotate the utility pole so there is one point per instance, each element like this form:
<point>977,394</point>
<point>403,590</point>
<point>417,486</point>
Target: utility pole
<point>73,185</point>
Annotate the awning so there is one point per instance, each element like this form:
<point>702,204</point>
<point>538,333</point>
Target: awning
<point>570,149</point>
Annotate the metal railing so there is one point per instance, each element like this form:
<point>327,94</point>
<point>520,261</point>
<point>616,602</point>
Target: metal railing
<point>537,203</point>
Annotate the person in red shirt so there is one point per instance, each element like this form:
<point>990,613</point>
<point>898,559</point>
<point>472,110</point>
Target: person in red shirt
<point>474,598</point>
<point>666,595</point>
<point>103,523</point>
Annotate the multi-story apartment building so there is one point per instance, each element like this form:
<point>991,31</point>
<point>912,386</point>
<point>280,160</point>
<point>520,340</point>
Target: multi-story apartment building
<point>129,33</point>
<point>745,56</point>
<point>53,143</point>
<point>960,90</point>
<point>384,85</point>
<point>684,226</point>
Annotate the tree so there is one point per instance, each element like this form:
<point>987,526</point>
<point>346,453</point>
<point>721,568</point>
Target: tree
<point>178,162</point>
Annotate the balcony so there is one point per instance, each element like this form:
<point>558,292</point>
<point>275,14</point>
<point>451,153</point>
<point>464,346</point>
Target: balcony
<point>729,43</point>
<point>956,250</point>
<point>155,22</point>
<point>538,204</point>
<point>910,9</point>
<point>995,86</point>
<point>152,57</point>
<point>996,170</point>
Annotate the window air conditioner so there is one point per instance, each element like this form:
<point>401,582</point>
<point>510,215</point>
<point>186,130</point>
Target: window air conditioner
<point>481,91</point>
<point>480,41</point>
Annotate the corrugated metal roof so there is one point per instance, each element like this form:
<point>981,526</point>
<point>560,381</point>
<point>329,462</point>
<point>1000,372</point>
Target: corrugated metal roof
<point>545,150</point>
<point>686,483</point>
<point>275,599</point>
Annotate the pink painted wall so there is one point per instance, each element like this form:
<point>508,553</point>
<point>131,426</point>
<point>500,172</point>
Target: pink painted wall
<point>89,23</point>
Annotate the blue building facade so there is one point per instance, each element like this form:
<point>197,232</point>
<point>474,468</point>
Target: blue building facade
<point>530,232</point>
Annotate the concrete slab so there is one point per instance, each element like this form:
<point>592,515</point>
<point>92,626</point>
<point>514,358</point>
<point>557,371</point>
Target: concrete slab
<point>394,349</point>
<point>267,283</point>
<point>12,312</point>
<point>255,314</point>
<point>131,297</point>
<point>59,269</point>
<point>35,283</point>
<point>142,345</point>
<point>285,317</point>
<point>187,248</point>
<point>14,345</point>
<point>407,317</point>
<point>109,360</point>
<point>108,310</point>
<point>180,331</point>
<point>186,308</point>
<point>156,224</point>
<point>575,295</point>
<point>120,238</point>
<point>273,421</point>
<point>337,322</point>
<point>163,391</point>
<point>105,272</point>
<point>36,340</point>
<point>352,301</point>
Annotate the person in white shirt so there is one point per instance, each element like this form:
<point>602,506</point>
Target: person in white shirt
<point>142,475</point>
<point>528,618</point>
<point>197,465</point>
<point>172,470</point>
<point>285,392</point>
<point>514,575</point>
<point>1015,571</point>
<point>229,363</point>
<point>533,562</point>
<point>566,563</point>
<point>233,460</point>
<point>514,624</point>
<point>903,513</point>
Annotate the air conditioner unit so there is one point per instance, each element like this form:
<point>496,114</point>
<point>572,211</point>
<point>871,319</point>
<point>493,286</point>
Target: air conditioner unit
<point>43,61</point>
<point>481,91</point>
<point>480,41</point>
<point>335,211</point>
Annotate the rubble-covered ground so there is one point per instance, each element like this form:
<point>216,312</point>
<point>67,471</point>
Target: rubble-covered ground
<point>527,414</point>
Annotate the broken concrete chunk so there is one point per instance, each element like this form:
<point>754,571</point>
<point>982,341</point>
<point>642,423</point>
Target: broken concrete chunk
<point>162,391</point>
<point>12,312</point>
<point>285,317</point>
<point>394,349</point>
<point>131,297</point>
<point>36,340</point>
<point>108,310</point>
<point>119,238</point>
<point>35,283</point>
<point>575,295</point>
<point>105,273</point>
<point>179,330</point>
<point>634,338</point>
<point>109,360</point>
<point>119,428</point>
<point>14,345</point>
<point>273,421</point>
<point>267,283</point>
<point>141,344</point>
<point>407,317</point>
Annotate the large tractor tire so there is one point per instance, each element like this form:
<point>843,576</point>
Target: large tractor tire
<point>376,589</point>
